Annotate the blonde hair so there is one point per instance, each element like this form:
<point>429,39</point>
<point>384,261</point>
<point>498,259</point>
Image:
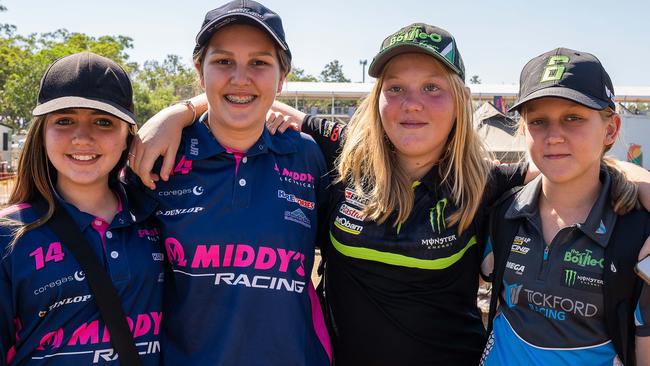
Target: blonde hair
<point>36,175</point>
<point>368,163</point>
<point>623,193</point>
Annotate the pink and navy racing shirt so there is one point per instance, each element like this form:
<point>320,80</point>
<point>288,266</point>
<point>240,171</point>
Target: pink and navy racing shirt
<point>48,315</point>
<point>239,230</point>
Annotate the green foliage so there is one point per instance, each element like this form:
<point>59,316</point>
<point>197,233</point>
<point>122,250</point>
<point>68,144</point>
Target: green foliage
<point>157,85</point>
<point>333,72</point>
<point>298,74</point>
<point>24,59</point>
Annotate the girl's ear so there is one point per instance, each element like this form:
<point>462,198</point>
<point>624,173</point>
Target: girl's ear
<point>612,130</point>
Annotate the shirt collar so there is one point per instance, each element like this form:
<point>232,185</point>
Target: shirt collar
<point>599,223</point>
<point>200,143</point>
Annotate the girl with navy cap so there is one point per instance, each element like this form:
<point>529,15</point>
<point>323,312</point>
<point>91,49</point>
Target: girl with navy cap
<point>239,213</point>
<point>564,246</point>
<point>76,146</point>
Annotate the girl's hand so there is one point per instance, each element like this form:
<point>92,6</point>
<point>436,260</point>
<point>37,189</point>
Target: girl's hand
<point>281,116</point>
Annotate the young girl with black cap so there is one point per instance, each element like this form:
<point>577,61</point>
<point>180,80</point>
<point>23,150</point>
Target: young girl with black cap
<point>76,146</point>
<point>239,214</point>
<point>566,243</point>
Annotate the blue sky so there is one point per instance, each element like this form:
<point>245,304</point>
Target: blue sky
<point>495,38</point>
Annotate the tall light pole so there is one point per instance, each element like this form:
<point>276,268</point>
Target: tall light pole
<point>363,63</point>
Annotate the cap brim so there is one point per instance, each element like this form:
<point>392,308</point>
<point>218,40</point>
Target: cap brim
<point>564,93</point>
<point>80,102</point>
<point>388,53</point>
<point>208,30</point>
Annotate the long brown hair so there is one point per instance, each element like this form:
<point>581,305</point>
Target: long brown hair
<point>368,163</point>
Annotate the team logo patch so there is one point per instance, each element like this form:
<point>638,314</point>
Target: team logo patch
<point>292,198</point>
<point>581,279</point>
<point>298,217</point>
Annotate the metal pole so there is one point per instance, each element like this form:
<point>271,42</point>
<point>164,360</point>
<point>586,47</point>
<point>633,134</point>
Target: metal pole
<point>363,64</point>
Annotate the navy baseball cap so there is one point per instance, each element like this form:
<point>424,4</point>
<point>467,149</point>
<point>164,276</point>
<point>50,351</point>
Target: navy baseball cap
<point>86,80</point>
<point>246,12</point>
<point>564,73</point>
<point>419,38</point>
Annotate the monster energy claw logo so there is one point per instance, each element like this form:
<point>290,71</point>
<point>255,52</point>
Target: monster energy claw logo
<point>570,277</point>
<point>437,216</point>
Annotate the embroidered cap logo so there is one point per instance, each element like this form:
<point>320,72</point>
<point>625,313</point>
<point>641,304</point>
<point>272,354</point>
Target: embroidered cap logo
<point>555,68</point>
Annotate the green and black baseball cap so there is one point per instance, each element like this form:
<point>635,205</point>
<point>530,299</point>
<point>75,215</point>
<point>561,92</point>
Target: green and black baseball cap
<point>419,38</point>
<point>569,74</point>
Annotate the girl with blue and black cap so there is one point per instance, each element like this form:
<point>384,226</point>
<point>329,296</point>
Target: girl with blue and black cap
<point>239,213</point>
<point>76,146</point>
<point>564,246</point>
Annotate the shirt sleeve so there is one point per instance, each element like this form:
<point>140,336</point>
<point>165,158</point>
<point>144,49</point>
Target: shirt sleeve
<point>327,135</point>
<point>503,178</point>
<point>7,326</point>
<point>487,264</point>
<point>642,312</point>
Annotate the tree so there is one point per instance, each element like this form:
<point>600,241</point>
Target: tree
<point>298,74</point>
<point>333,72</point>
<point>158,85</point>
<point>474,79</point>
<point>24,59</point>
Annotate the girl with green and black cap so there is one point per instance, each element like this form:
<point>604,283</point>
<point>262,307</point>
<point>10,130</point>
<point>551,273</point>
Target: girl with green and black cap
<point>564,246</point>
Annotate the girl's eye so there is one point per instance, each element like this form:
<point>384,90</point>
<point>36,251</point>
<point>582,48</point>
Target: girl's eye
<point>394,89</point>
<point>222,61</point>
<point>104,122</point>
<point>535,122</point>
<point>573,118</point>
<point>259,63</point>
<point>430,88</point>
<point>63,122</point>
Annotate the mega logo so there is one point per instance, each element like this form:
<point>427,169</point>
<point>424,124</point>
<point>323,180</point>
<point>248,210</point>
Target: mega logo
<point>437,216</point>
<point>352,212</point>
<point>518,268</point>
<point>292,198</point>
<point>345,225</point>
<point>92,333</point>
<point>583,259</point>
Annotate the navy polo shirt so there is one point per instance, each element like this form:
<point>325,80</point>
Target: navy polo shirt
<point>239,230</point>
<point>552,306</point>
<point>404,294</point>
<point>48,315</point>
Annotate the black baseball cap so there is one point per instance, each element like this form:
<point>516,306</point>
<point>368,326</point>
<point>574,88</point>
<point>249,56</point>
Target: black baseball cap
<point>246,12</point>
<point>86,80</point>
<point>419,38</point>
<point>564,73</point>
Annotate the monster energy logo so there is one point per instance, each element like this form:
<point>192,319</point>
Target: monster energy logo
<point>570,277</point>
<point>555,68</point>
<point>437,216</point>
<point>415,34</point>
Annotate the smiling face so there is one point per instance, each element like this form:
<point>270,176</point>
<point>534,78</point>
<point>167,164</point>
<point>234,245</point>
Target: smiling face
<point>416,106</point>
<point>566,140</point>
<point>83,145</point>
<point>241,75</point>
